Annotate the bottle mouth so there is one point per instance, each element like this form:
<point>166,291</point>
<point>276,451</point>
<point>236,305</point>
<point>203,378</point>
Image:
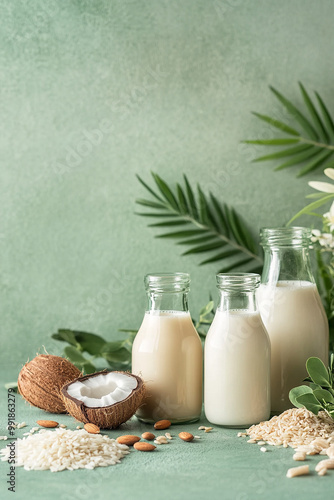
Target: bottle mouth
<point>241,282</point>
<point>167,282</point>
<point>285,237</point>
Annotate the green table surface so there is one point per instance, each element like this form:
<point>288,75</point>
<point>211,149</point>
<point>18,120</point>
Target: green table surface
<point>218,466</point>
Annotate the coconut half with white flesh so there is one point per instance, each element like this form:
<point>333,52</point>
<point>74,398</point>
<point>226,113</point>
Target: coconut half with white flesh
<point>106,399</point>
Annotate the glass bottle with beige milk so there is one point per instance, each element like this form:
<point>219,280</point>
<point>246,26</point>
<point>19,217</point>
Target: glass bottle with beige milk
<point>167,352</point>
<point>237,356</point>
<point>291,310</point>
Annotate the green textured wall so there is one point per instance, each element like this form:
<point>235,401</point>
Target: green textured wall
<point>169,85</point>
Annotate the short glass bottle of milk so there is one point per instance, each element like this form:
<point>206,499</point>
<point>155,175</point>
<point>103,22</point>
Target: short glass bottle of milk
<point>237,356</point>
<point>167,352</point>
<point>291,310</point>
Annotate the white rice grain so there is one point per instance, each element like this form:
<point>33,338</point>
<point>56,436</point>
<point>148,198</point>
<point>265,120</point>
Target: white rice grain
<point>62,449</point>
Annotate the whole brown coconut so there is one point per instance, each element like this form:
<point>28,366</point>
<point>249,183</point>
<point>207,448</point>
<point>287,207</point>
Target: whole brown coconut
<point>106,416</point>
<point>41,379</point>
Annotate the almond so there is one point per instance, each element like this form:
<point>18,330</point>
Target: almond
<point>92,428</point>
<point>128,439</point>
<point>142,446</point>
<point>148,436</point>
<point>47,423</point>
<point>186,436</point>
<point>162,424</point>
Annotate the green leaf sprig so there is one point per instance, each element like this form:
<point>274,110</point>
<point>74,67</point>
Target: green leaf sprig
<point>319,394</point>
<point>311,140</point>
<point>116,353</point>
<point>202,224</point>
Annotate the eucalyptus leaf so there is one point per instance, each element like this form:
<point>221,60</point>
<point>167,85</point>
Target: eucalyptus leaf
<point>317,371</point>
<point>65,335</point>
<point>310,402</point>
<point>79,360</point>
<point>116,356</point>
<point>323,395</point>
<point>319,395</point>
<point>89,342</point>
<point>299,391</point>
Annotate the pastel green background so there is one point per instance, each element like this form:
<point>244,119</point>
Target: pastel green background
<point>175,81</point>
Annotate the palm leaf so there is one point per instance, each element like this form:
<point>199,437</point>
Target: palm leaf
<point>326,116</point>
<point>322,157</point>
<point>284,153</point>
<point>205,248</point>
<point>169,223</point>
<point>209,225</point>
<point>197,241</point>
<point>273,142</point>
<point>299,117</point>
<point>165,191</point>
<point>277,124</point>
<point>314,113</point>
<point>313,137</point>
<point>191,198</point>
<point>296,159</point>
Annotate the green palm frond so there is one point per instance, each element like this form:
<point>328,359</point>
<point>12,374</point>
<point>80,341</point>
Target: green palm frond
<point>312,139</point>
<point>202,224</point>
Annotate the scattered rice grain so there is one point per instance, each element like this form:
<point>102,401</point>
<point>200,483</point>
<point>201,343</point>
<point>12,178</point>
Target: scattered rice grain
<point>297,428</point>
<point>61,449</point>
<point>302,470</point>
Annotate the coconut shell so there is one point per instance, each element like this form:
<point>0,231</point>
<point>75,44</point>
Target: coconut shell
<point>107,417</point>
<point>41,379</point>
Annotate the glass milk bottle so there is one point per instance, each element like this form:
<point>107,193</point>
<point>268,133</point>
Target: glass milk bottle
<point>237,356</point>
<point>167,352</point>
<point>291,310</point>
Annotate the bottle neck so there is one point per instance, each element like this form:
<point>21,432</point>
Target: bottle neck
<point>237,300</point>
<point>168,301</point>
<point>288,263</point>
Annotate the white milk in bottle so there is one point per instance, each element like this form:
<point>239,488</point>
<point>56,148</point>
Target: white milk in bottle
<point>237,356</point>
<point>167,353</point>
<point>291,310</point>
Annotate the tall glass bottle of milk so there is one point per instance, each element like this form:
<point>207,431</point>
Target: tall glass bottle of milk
<point>167,352</point>
<point>291,310</point>
<point>237,356</point>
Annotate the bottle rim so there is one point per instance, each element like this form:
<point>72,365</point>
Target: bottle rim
<point>285,236</point>
<point>167,282</point>
<point>238,281</point>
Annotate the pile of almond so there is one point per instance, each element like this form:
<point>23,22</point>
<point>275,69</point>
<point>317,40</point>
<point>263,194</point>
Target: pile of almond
<point>135,441</point>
